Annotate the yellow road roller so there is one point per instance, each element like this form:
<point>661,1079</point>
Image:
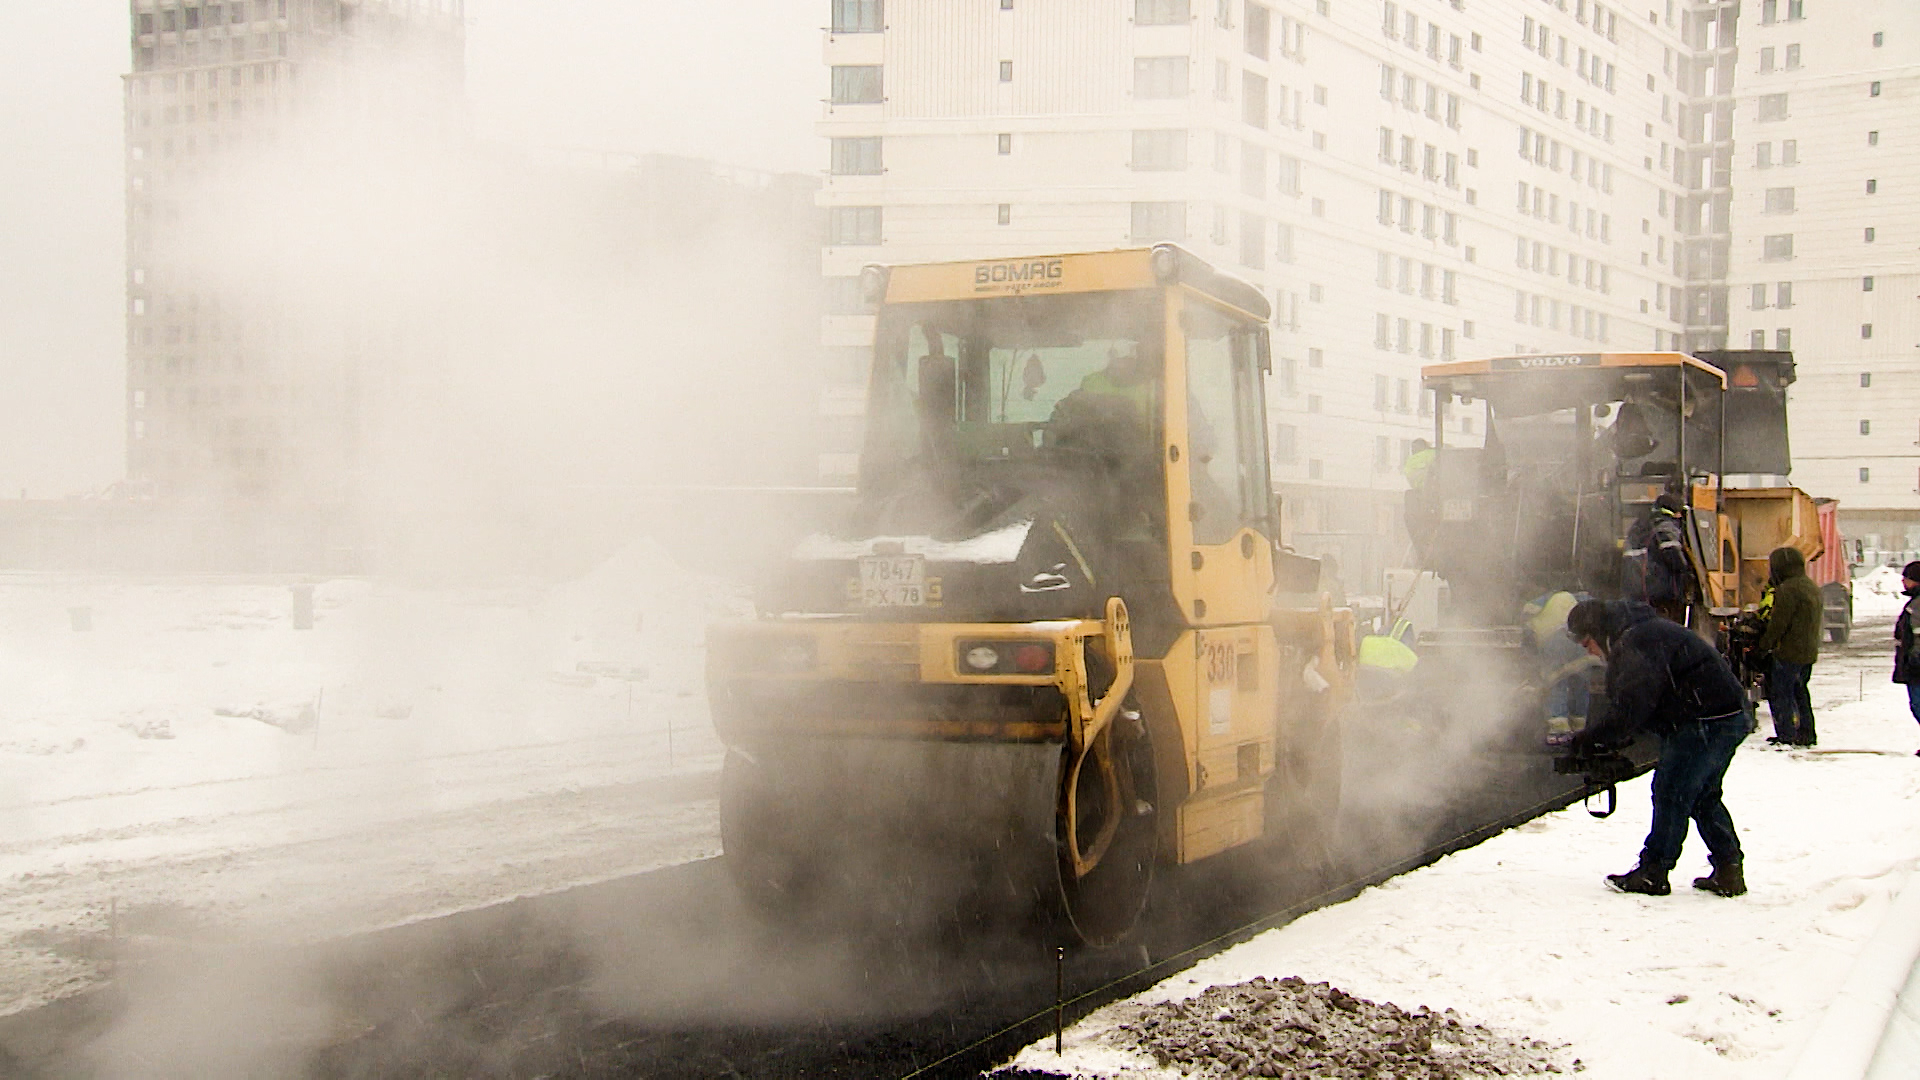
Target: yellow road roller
<point>1057,641</point>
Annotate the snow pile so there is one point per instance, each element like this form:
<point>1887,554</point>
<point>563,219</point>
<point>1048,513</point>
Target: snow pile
<point>1292,1028</point>
<point>1878,593</point>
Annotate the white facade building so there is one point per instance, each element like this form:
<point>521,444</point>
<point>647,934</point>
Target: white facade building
<point>1410,181</point>
<point>1826,244</point>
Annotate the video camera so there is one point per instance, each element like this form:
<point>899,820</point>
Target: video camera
<point>1601,769</point>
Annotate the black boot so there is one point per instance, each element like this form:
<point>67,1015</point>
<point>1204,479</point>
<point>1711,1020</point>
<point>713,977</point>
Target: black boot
<point>1642,879</point>
<point>1728,879</point>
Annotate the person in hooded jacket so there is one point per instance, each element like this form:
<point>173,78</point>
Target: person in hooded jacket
<point>1663,678</point>
<point>1656,569</point>
<point>1906,652</point>
<point>1792,639</point>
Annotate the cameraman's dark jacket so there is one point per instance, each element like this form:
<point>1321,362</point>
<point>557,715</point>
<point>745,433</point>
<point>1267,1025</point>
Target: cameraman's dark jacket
<point>1659,675</point>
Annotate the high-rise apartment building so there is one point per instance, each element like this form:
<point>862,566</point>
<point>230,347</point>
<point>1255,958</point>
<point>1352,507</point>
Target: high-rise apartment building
<point>1826,244</point>
<point>1410,181</point>
<point>232,388</point>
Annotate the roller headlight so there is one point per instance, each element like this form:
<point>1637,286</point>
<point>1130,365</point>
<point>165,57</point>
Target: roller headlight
<point>873,284</point>
<point>1166,264</point>
<point>1006,657</point>
<point>793,656</point>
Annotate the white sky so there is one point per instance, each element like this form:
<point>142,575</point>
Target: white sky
<point>739,82</point>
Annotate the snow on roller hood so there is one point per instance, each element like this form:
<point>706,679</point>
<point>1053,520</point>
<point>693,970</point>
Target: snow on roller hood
<point>999,546</point>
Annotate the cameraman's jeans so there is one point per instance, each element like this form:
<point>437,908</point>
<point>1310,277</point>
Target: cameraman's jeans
<point>1686,786</point>
<point>1790,703</point>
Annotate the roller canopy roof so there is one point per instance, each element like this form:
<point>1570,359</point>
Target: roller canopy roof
<point>1524,385</point>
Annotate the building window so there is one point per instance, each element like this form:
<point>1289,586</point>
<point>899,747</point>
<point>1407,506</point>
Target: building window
<point>1793,57</point>
<point>1784,295</point>
<point>1253,241</point>
<point>1159,151</point>
<point>1006,71</point>
<point>1868,234</point>
<point>1773,107</point>
<point>1779,200</point>
<point>1006,145</point>
<point>1873,138</point>
<point>1006,213</point>
<point>852,226</point>
<point>1783,339</point>
<point>1866,474</point>
<point>1259,30</point>
<point>1757,339</point>
<point>1763,155</point>
<point>847,296</point>
<point>1778,246</point>
<point>856,84</point>
<point>1766,60</point>
<point>1873,88</point>
<point>856,157</point>
<point>1866,427</point>
<point>1866,283</point>
<point>1253,99</point>
<point>1789,151</point>
<point>1161,12</point>
<point>1159,221</point>
<point>1866,331</point>
<point>1285,443</point>
<point>1879,38</point>
<point>1873,186</point>
<point>1866,379</point>
<point>1159,77</point>
<point>1759,301</point>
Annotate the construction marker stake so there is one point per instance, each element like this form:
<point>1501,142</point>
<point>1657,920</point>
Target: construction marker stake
<point>1059,999</point>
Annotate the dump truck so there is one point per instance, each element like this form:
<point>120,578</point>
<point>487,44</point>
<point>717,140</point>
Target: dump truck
<point>1057,643</point>
<point>1833,572</point>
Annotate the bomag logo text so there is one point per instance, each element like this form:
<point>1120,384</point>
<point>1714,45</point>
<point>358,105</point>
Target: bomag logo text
<point>1019,276</point>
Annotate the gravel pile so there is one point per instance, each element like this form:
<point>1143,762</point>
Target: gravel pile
<point>1297,1029</point>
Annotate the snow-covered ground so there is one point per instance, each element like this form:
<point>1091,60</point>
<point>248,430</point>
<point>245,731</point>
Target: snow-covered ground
<point>192,764</point>
<point>1520,934</point>
<point>177,758</point>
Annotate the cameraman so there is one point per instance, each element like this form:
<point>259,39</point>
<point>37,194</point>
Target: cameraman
<point>1664,678</point>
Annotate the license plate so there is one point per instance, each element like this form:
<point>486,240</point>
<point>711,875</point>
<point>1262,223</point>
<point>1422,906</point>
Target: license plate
<point>893,581</point>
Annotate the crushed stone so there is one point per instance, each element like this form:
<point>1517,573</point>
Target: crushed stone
<point>1292,1028</point>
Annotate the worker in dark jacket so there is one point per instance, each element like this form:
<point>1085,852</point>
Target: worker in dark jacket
<point>1656,568</point>
<point>1792,638</point>
<point>1661,677</point>
<point>1906,652</point>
